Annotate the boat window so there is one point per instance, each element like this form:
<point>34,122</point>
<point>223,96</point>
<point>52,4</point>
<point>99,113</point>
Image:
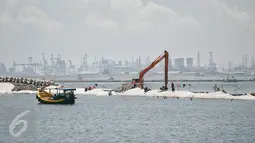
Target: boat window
<point>68,92</point>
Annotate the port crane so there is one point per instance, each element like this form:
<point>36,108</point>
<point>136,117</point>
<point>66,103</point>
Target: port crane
<point>30,64</point>
<point>165,56</point>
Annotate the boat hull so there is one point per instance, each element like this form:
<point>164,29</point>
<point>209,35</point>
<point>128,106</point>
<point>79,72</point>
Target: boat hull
<point>46,98</point>
<point>52,101</point>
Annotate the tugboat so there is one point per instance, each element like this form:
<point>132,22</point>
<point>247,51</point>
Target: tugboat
<point>62,96</point>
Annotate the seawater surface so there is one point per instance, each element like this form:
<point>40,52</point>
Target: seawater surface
<point>130,119</point>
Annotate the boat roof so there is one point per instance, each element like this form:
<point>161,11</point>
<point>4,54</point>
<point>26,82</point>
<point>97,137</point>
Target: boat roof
<point>66,88</point>
<point>52,87</point>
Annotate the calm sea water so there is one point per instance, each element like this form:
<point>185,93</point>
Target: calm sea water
<point>128,119</point>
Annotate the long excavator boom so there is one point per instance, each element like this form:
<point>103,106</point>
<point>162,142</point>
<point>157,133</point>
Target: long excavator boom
<point>153,64</point>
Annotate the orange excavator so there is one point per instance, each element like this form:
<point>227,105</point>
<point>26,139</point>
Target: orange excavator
<point>165,56</point>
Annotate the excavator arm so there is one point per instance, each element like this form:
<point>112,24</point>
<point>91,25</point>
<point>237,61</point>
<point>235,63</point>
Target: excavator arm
<point>153,64</point>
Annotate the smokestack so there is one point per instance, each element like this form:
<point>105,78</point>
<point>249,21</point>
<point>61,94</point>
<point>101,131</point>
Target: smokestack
<point>198,60</point>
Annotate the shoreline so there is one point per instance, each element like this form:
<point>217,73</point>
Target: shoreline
<point>19,88</point>
<point>140,93</point>
<point>16,87</point>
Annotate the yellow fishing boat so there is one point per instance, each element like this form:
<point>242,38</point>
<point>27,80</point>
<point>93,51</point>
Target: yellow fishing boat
<point>61,96</point>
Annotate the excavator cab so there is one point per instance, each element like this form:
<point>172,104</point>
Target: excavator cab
<point>138,83</point>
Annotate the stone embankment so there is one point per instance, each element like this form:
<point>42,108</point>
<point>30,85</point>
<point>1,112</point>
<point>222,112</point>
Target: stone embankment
<point>21,83</point>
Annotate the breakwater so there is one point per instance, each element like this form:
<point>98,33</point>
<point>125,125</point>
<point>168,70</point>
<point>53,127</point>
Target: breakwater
<point>21,83</point>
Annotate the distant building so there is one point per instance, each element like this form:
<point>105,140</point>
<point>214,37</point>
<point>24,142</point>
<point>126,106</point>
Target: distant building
<point>138,63</point>
<point>3,69</point>
<point>60,68</point>
<point>113,63</point>
<point>170,64</point>
<point>189,63</point>
<point>120,63</point>
<point>179,63</point>
<point>212,65</point>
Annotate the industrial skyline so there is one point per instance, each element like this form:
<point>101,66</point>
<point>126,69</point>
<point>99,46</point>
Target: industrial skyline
<point>58,65</point>
<point>241,60</point>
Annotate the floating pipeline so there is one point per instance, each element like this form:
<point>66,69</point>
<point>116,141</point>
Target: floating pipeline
<point>21,83</point>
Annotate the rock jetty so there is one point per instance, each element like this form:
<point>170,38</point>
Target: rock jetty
<point>21,83</point>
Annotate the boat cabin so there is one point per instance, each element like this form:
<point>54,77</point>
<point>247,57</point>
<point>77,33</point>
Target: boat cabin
<point>58,95</point>
<point>65,91</point>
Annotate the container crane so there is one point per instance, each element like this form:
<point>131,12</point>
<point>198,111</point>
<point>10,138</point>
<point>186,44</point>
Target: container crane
<point>165,56</point>
<point>71,66</point>
<point>45,63</point>
<point>29,64</point>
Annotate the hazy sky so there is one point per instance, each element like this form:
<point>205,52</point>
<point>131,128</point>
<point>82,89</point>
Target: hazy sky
<point>119,29</point>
